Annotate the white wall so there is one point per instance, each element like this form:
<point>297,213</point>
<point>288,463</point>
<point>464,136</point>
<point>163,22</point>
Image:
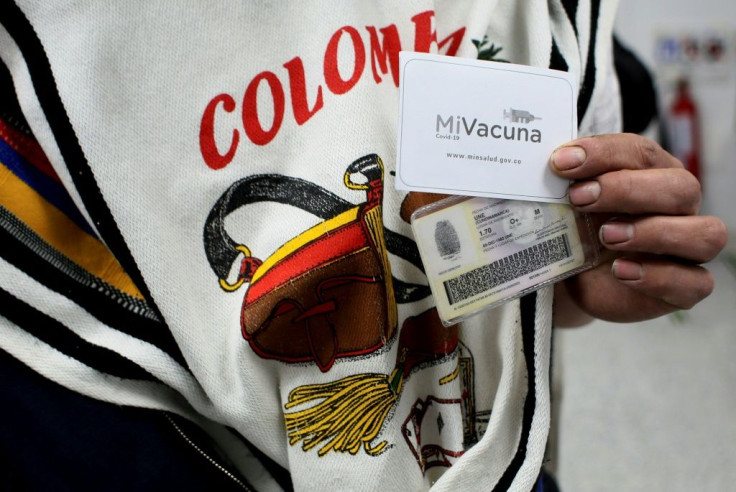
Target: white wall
<point>650,406</point>
<point>637,24</point>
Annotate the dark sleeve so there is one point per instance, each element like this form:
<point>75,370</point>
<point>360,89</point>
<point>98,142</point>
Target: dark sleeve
<point>638,94</point>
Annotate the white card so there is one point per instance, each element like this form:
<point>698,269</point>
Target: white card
<point>480,128</point>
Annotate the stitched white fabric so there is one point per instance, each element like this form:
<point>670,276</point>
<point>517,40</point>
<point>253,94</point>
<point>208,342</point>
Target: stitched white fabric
<point>294,93</point>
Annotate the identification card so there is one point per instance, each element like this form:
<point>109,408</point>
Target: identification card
<point>480,128</point>
<point>481,252</point>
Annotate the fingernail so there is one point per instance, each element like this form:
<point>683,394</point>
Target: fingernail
<point>585,193</point>
<point>566,158</point>
<point>626,269</point>
<point>616,232</point>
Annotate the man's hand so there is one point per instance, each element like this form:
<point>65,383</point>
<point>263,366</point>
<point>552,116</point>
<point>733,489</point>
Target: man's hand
<point>644,205</point>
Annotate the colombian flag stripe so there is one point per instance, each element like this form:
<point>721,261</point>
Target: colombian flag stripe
<point>22,32</point>
<point>44,185</point>
<point>28,148</point>
<point>62,233</point>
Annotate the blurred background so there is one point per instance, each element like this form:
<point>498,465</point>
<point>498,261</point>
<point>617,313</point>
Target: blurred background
<point>652,406</point>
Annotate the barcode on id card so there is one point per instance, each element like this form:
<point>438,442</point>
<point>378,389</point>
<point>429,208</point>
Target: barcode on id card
<point>507,269</point>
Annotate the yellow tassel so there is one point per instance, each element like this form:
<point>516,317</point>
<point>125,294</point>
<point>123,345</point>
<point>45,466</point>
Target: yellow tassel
<point>350,415</point>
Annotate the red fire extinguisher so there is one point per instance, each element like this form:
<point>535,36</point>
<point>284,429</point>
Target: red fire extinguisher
<point>685,131</point>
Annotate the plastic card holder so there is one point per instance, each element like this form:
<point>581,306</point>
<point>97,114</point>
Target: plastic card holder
<point>481,252</point>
